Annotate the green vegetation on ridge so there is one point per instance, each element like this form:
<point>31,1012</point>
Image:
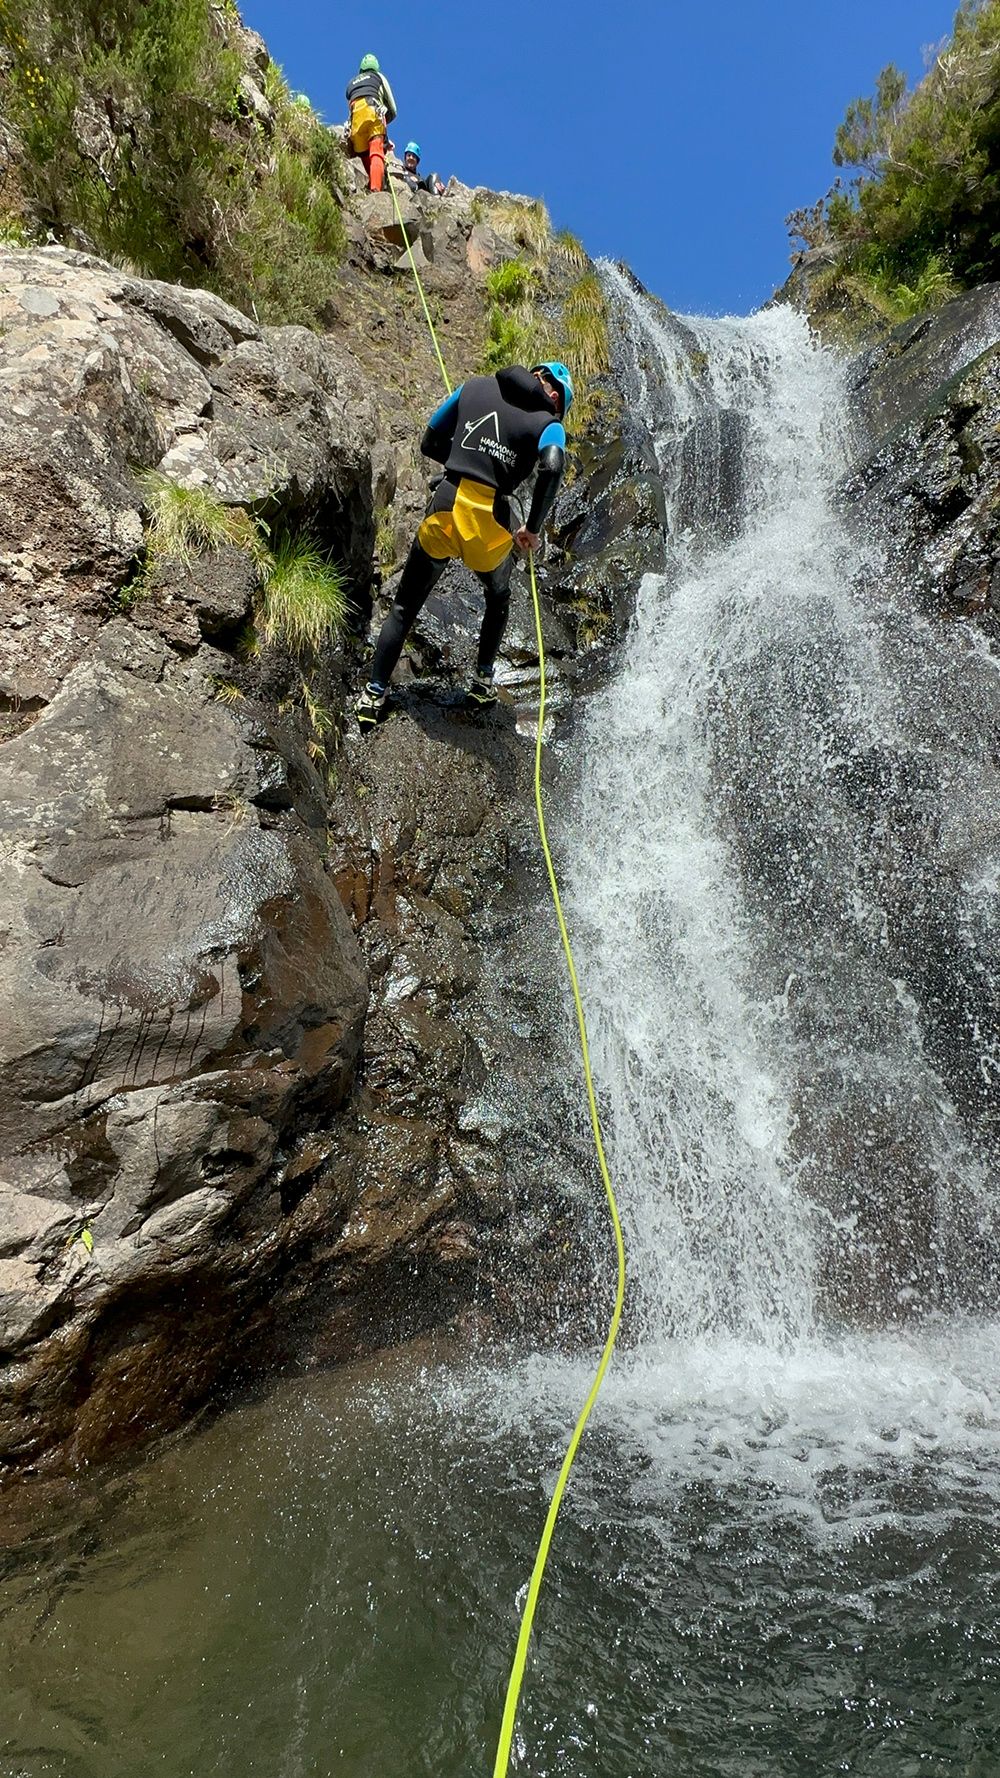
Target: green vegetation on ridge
<point>138,139</point>
<point>921,220</point>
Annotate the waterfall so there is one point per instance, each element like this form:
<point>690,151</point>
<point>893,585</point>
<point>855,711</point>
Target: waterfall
<point>786,1140</point>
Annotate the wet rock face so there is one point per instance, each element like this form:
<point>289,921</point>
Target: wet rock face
<point>927,416</point>
<point>102,375</point>
<point>925,495</point>
<point>285,1065</point>
<point>183,995</point>
<point>475,1160</point>
<point>610,529</point>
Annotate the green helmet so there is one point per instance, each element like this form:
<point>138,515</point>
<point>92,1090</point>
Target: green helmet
<point>369,65</point>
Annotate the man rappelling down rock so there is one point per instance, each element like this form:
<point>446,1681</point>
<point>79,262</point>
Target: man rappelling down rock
<point>490,435</point>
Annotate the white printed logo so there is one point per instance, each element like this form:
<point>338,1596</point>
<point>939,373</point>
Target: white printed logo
<point>473,426</point>
<point>488,439</point>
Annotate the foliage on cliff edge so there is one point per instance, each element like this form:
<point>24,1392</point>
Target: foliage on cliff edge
<point>142,135</point>
<point>922,217</point>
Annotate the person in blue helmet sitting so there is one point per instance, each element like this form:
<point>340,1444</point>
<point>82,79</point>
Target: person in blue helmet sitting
<point>412,176</point>
<point>490,435</point>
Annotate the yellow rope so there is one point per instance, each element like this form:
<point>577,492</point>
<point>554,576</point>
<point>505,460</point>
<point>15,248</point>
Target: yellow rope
<point>416,275</point>
<point>535,1584</point>
<point>516,1679</point>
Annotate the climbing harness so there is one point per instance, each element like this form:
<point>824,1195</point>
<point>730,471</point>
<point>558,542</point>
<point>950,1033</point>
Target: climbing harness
<point>516,1679</point>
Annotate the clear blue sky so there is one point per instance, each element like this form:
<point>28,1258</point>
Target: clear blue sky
<point>674,136</point>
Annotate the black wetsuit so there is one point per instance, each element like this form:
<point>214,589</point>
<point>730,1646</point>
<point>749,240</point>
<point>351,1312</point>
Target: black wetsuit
<point>376,89</point>
<point>490,435</point>
<point>419,181</point>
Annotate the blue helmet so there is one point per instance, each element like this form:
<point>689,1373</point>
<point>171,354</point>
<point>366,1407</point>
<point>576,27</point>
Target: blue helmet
<point>560,375</point>
<point>412,148</point>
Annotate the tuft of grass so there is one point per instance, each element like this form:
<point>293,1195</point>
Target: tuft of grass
<point>570,249</point>
<point>248,643</point>
<point>524,221</point>
<point>585,328</point>
<point>276,89</point>
<point>321,724</point>
<point>183,521</point>
<point>303,603</point>
<point>385,538</point>
<point>225,691</point>
<point>235,806</point>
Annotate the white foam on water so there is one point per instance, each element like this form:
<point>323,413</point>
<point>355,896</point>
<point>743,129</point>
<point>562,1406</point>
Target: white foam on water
<point>840,1435</point>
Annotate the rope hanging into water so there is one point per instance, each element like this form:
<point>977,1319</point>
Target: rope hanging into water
<point>517,1671</point>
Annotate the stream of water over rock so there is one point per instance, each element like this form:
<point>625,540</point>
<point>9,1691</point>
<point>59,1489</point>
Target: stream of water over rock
<point>779,1555</point>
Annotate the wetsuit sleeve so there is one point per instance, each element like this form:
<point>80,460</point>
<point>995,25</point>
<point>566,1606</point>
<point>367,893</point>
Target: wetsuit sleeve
<point>390,103</point>
<point>551,462</point>
<point>436,441</point>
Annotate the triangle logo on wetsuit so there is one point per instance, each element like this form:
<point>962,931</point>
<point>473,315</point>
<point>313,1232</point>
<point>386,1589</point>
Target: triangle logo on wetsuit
<point>481,426</point>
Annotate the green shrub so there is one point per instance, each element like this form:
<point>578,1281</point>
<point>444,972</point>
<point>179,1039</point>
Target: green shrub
<point>514,330</point>
<point>511,283</point>
<point>922,217</point>
<point>117,103</point>
<point>303,604</point>
<point>15,232</point>
<point>281,263</point>
<point>137,143</point>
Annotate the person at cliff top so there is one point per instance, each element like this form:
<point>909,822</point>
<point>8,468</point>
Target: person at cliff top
<point>372,107</point>
<point>490,436</point>
<point>412,176</point>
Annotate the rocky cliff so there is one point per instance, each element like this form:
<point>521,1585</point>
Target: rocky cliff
<point>925,495</point>
<point>274,1000</point>
<point>285,1064</point>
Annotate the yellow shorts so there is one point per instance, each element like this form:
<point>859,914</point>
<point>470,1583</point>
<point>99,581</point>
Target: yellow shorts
<point>461,522</point>
<point>367,121</point>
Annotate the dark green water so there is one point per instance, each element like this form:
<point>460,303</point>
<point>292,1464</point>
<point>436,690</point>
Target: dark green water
<point>325,1582</point>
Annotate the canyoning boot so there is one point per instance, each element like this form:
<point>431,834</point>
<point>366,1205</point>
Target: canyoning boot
<point>482,693</point>
<point>371,705</point>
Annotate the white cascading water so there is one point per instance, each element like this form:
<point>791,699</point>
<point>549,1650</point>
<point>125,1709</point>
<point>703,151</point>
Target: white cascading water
<point>690,1054</point>
<point>750,1042</point>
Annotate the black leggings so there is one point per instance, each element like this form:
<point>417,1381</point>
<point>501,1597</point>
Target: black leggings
<point>419,578</point>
